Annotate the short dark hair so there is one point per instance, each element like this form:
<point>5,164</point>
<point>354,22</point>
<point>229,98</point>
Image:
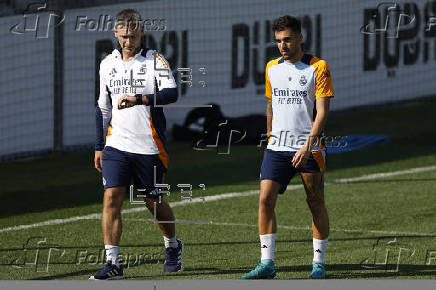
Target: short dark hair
<point>129,17</point>
<point>287,21</point>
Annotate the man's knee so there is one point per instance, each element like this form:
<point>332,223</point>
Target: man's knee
<point>268,193</point>
<point>267,200</point>
<point>151,201</point>
<point>315,202</point>
<point>113,197</point>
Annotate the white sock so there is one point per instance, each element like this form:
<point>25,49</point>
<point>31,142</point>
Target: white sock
<point>319,247</point>
<point>170,242</point>
<point>112,254</point>
<point>267,243</point>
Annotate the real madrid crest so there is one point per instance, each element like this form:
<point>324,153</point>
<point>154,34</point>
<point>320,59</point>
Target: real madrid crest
<point>303,80</point>
<point>143,69</point>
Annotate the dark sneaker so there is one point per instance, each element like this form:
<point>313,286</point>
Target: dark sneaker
<point>174,258</point>
<point>109,272</point>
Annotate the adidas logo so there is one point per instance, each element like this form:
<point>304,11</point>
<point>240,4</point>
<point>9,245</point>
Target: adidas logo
<point>318,251</point>
<point>112,272</point>
<point>113,72</point>
<point>264,247</point>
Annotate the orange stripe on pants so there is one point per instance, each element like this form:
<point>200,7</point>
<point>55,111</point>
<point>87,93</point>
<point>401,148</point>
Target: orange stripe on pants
<point>320,160</point>
<point>163,155</point>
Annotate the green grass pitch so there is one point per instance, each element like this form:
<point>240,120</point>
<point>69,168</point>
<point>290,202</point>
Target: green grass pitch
<point>380,228</point>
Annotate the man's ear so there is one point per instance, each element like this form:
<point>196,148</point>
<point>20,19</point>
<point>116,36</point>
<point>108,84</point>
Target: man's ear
<point>116,26</point>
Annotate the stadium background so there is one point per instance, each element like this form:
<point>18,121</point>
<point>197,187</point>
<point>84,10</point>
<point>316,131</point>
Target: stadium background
<point>52,79</point>
<point>384,85</point>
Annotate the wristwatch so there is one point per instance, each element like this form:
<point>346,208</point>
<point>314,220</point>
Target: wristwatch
<point>138,99</point>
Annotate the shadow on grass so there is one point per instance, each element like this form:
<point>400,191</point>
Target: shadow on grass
<point>334,271</point>
<point>218,243</point>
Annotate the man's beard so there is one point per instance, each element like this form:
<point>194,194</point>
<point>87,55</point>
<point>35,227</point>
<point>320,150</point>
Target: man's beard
<point>289,55</point>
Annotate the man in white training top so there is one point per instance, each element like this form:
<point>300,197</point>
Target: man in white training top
<point>130,138</point>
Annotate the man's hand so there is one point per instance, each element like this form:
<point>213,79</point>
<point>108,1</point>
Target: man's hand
<point>98,157</point>
<point>301,156</point>
<point>126,101</point>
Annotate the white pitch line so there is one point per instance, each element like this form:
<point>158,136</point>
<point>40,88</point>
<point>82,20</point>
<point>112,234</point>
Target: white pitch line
<point>382,175</point>
<point>306,228</point>
<point>216,197</point>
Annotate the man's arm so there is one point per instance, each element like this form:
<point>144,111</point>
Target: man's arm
<point>103,114</point>
<point>322,109</point>
<point>268,95</point>
<point>269,115</point>
<point>164,97</point>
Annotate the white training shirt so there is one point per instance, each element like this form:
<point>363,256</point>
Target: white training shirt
<point>293,89</point>
<point>131,129</point>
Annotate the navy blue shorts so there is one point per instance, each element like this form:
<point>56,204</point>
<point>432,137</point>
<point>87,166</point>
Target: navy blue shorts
<point>277,166</point>
<point>120,167</point>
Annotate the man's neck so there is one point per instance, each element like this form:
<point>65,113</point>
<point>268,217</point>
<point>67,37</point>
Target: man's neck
<point>128,56</point>
<point>296,58</point>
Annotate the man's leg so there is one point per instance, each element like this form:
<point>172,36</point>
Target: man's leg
<point>116,178</point>
<point>173,247</point>
<point>111,218</point>
<point>163,213</point>
<point>267,202</point>
<point>112,228</point>
<point>314,186</point>
<point>267,224</point>
<point>111,221</point>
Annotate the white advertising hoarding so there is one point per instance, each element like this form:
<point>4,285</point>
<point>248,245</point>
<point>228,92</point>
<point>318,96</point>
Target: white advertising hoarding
<point>226,44</point>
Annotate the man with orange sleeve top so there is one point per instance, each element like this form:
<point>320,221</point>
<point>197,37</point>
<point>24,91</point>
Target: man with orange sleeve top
<point>298,91</point>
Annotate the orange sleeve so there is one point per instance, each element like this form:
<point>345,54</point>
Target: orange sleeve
<point>323,79</point>
<point>268,91</point>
